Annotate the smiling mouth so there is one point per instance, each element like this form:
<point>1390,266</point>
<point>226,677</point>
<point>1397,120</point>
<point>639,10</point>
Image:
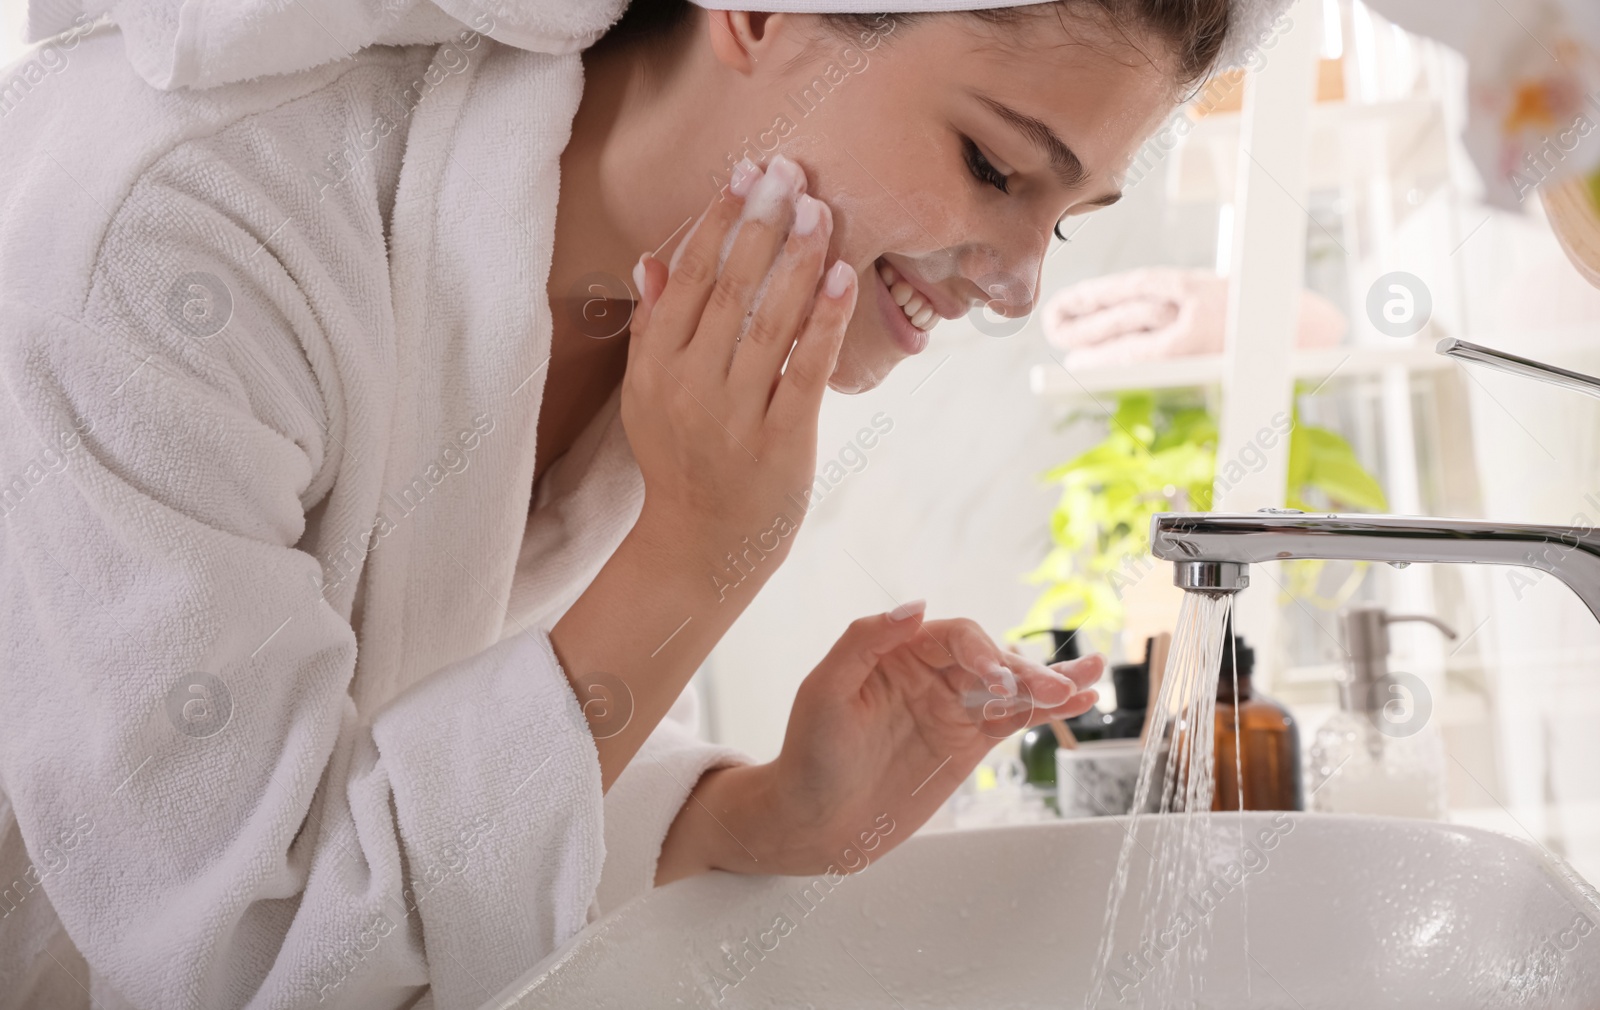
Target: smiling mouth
<point>916,309</point>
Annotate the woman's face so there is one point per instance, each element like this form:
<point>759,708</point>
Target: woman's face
<point>948,149</point>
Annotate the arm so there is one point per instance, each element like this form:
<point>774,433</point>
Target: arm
<point>722,419</point>
<point>882,731</point>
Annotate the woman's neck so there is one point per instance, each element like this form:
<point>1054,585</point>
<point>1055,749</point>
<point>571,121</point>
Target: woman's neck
<point>627,185</point>
<point>635,171</point>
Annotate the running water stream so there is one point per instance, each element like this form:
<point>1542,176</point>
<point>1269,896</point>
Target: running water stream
<point>1178,760</point>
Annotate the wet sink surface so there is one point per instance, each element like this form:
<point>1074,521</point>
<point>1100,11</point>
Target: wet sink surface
<point>1339,912</point>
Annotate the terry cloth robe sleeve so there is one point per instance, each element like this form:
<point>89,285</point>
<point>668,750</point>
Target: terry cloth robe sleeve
<point>177,697</point>
<point>646,798</point>
<point>586,502</point>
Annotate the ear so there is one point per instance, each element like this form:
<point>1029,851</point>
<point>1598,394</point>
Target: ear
<point>742,39</point>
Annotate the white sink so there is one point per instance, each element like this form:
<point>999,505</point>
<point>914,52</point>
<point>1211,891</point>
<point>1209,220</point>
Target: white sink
<point>1345,912</point>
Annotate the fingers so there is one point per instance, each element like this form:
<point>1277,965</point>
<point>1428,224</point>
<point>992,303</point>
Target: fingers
<point>976,651</point>
<point>962,644</point>
<point>786,301</point>
<point>692,274</point>
<point>763,225</point>
<point>867,640</point>
<point>965,642</point>
<point>1073,707</point>
<point>798,398</point>
<point>957,643</point>
<point>1044,685</point>
<point>650,280</point>
<point>737,315</point>
<point>1083,672</point>
<point>1063,690</point>
<point>1058,684</point>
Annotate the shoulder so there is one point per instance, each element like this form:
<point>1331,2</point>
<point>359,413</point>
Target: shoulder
<point>220,240</point>
<point>92,145</point>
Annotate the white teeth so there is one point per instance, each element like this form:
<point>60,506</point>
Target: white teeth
<point>917,311</point>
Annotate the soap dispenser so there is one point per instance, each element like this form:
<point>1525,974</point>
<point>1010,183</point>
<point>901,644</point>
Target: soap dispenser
<point>1378,754</point>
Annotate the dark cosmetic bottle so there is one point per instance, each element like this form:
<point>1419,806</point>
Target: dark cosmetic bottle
<point>1132,684</point>
<point>1268,752</point>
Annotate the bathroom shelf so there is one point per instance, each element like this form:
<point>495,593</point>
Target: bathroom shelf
<point>1402,140</point>
<point>1207,370</point>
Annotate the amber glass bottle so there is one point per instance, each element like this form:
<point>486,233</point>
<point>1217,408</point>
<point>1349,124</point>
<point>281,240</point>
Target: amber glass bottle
<point>1270,756</point>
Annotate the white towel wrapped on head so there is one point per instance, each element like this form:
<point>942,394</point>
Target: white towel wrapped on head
<point>186,44</point>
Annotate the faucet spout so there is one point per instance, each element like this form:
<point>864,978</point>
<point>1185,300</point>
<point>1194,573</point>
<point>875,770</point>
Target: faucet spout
<point>1214,578</point>
<point>1571,554</point>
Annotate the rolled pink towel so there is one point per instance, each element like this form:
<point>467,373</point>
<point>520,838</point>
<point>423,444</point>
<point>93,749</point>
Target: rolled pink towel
<point>1161,312</point>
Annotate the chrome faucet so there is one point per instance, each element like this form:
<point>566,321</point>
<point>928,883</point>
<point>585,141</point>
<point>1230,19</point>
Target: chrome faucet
<point>1212,551</point>
<point>1513,364</point>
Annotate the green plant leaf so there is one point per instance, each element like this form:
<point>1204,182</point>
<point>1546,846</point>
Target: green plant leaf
<point>1336,472</point>
<point>1300,453</point>
<point>1344,481</point>
<point>1155,448</point>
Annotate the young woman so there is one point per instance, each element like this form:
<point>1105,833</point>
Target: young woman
<point>357,544</point>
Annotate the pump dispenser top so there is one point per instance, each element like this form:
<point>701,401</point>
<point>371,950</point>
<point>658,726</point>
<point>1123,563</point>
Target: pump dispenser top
<point>1366,640</point>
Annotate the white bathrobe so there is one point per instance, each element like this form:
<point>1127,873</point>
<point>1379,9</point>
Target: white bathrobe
<point>281,723</point>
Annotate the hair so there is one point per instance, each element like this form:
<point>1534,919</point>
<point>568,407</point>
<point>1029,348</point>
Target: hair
<point>1194,31</point>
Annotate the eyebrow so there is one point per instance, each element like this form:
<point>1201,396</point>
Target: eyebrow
<point>1068,167</point>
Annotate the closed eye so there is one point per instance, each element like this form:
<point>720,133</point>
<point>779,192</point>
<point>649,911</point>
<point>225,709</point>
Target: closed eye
<point>1084,208</point>
<point>981,168</point>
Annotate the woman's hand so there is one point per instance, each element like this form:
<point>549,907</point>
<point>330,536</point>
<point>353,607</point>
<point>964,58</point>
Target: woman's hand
<point>882,732</point>
<point>724,431</point>
<point>728,359</point>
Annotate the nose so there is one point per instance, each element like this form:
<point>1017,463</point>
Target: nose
<point>1000,291</point>
<point>1004,293</point>
<point>1002,275</point>
<point>1000,280</point>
